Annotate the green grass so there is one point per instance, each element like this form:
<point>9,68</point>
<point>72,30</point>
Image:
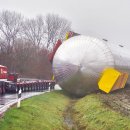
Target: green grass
<point>44,112</point>
<point>92,114</point>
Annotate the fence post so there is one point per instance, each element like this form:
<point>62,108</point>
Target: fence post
<point>19,98</point>
<point>49,87</point>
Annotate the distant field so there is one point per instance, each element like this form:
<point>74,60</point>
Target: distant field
<point>42,112</point>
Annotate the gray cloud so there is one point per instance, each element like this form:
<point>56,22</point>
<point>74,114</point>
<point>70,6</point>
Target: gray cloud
<point>102,18</point>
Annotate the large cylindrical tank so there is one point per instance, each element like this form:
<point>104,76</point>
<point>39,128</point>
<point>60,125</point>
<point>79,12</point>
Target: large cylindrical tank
<point>80,60</point>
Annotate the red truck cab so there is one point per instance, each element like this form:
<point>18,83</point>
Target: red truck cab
<point>3,72</point>
<point>3,78</point>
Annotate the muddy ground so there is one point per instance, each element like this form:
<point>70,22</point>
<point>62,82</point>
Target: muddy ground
<point>69,123</point>
<point>118,100</point>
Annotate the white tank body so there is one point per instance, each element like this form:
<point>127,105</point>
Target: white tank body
<point>80,60</point>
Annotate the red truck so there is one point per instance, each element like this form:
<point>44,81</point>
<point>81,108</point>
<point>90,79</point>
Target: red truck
<point>9,83</point>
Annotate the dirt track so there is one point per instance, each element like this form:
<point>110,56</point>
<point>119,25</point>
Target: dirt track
<point>118,100</point>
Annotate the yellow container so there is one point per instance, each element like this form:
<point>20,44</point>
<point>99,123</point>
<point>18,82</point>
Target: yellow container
<point>108,79</point>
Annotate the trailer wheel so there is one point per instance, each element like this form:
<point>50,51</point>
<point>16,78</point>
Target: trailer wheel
<point>0,90</point>
<point>3,91</point>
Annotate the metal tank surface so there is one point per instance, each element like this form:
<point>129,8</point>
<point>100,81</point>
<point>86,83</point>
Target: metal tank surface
<point>80,60</point>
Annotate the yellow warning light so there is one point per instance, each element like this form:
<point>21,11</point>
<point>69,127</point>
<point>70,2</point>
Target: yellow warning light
<point>108,79</point>
<point>67,36</point>
<point>53,78</point>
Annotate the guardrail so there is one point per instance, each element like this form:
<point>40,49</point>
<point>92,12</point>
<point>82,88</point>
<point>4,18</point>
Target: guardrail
<point>5,107</point>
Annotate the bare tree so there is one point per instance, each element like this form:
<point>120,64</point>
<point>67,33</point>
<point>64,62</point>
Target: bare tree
<point>33,30</point>
<point>56,28</point>
<point>24,43</point>
<point>31,61</point>
<point>10,26</point>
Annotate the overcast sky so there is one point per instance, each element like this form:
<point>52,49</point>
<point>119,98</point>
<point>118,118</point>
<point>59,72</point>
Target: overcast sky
<point>108,19</point>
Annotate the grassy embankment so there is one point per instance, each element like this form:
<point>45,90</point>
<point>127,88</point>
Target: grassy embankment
<point>44,112</point>
<point>91,113</point>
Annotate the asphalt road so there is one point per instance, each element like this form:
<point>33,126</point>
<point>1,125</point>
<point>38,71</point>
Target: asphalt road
<point>9,99</point>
